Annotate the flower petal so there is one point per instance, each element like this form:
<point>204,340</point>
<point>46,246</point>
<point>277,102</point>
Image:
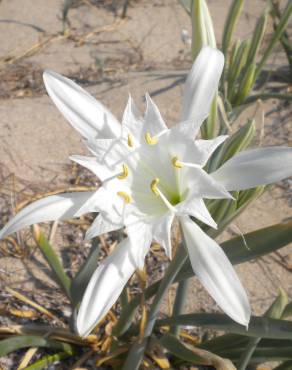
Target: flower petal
<point>55,207</point>
<point>255,167</point>
<point>162,232</point>
<point>215,272</point>
<point>106,285</point>
<point>88,116</point>
<point>132,120</point>
<point>101,225</point>
<point>153,122</point>
<point>140,235</point>
<point>201,85</point>
<point>196,207</point>
<point>93,165</point>
<point>202,185</point>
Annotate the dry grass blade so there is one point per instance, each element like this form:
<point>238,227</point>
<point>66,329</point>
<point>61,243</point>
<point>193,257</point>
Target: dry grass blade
<point>33,304</point>
<point>27,358</point>
<point>112,355</point>
<point>81,360</point>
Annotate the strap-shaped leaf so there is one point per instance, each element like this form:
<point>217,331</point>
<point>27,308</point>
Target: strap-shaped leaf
<point>47,360</point>
<point>194,355</point>
<point>79,283</point>
<point>16,342</point>
<point>54,262</point>
<point>260,242</point>
<point>263,327</point>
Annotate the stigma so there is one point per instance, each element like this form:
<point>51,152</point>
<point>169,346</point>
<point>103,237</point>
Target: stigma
<point>176,163</point>
<point>153,186</point>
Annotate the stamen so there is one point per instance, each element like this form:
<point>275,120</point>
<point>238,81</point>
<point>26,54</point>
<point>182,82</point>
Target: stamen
<point>125,172</point>
<point>176,163</point>
<point>153,186</point>
<point>125,196</point>
<point>130,141</point>
<point>150,140</point>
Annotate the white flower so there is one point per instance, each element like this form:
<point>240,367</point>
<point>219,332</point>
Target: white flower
<point>151,174</point>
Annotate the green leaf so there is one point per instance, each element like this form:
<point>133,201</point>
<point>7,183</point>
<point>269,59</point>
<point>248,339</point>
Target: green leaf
<point>274,311</point>
<point>232,18</point>
<point>287,311</point>
<point>246,83</point>
<point>193,355</point>
<point>23,341</point>
<point>237,142</point>
<point>275,37</point>
<point>47,360</point>
<point>187,4</point>
<point>264,96</point>
<point>263,327</point>
<point>257,37</point>
<point>260,242</point>
<point>54,262</point>
<point>80,281</point>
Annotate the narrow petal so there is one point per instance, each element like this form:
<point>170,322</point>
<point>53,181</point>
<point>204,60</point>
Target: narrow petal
<point>55,207</point>
<point>196,207</point>
<point>106,285</point>
<point>255,167</point>
<point>202,185</point>
<point>99,201</point>
<point>201,85</point>
<point>132,120</point>
<point>162,232</point>
<point>93,165</point>
<point>153,122</point>
<point>215,272</point>
<point>140,234</point>
<point>88,116</point>
<point>101,225</point>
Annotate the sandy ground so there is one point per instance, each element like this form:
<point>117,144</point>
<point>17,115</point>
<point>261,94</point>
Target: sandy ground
<point>142,53</point>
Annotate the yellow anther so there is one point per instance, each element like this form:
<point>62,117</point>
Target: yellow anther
<point>125,172</point>
<point>130,141</point>
<point>176,163</point>
<point>153,186</point>
<point>150,140</point>
<point>125,196</point>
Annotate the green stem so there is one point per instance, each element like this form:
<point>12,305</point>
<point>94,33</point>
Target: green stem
<point>136,353</point>
<point>179,302</point>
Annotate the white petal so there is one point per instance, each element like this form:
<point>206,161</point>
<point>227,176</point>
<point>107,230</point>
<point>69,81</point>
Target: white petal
<point>216,273</point>
<point>196,207</point>
<point>93,165</point>
<point>201,85</point>
<point>153,122</point>
<point>132,120</point>
<point>255,167</point>
<point>140,234</point>
<point>207,147</point>
<point>189,150</point>
<point>202,185</point>
<point>162,232</point>
<point>106,285</point>
<point>99,201</point>
<point>88,116</point>
<point>101,225</point>
<point>55,207</point>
